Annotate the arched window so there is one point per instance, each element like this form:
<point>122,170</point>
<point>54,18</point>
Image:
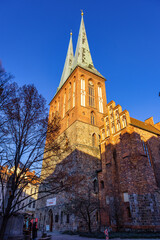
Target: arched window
<point>55,106</point>
<point>107,121</point>
<point>100,99</point>
<point>111,117</point>
<point>102,184</point>
<point>34,204</point>
<point>56,218</point>
<point>91,93</point>
<point>108,131</point>
<point>92,118</point>
<point>146,151</point>
<point>83,93</point>
<point>107,127</point>
<point>115,155</point>
<point>124,121</point>
<point>30,203</point>
<point>113,128</point>
<point>110,110</point>
<point>118,125</point>
<point>103,134</point>
<point>97,216</point>
<point>116,114</point>
<point>95,186</point>
<point>94,140</point>
<point>74,90</point>
<point>69,96</point>
<point>61,217</point>
<point>64,104</point>
<point>67,218</point>
<point>58,103</point>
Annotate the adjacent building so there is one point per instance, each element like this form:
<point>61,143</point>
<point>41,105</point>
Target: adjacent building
<point>26,202</point>
<point>129,179</point>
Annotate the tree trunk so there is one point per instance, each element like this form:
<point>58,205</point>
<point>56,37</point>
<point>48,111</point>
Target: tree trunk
<point>89,222</point>
<point>3,226</point>
<point>89,227</point>
<point>6,217</point>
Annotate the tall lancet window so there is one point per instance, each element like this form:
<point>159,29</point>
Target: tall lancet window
<point>69,96</point>
<point>92,118</point>
<point>94,140</point>
<point>91,93</point>
<point>74,90</point>
<point>100,99</point>
<point>107,127</point>
<point>118,125</point>
<point>124,121</point>
<point>83,92</point>
<point>58,104</point>
<point>64,104</point>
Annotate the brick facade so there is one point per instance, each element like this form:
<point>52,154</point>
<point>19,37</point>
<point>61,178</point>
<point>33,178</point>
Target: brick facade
<point>130,173</point>
<point>83,136</point>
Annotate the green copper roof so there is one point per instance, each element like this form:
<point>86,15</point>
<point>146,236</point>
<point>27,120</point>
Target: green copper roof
<point>68,63</point>
<point>82,56</point>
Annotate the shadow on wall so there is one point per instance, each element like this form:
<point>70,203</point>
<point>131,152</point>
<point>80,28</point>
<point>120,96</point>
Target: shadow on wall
<point>71,177</point>
<point>129,182</point>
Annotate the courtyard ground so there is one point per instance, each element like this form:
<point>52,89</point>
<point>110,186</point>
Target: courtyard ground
<point>59,236</point>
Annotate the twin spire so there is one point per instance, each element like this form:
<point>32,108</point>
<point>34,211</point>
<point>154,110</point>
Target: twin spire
<point>82,55</point>
<point>68,63</point>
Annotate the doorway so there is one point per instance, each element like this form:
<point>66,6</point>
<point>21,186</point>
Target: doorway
<point>50,220</point>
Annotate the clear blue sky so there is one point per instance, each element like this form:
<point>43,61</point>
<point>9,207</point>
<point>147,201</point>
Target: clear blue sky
<point>123,35</point>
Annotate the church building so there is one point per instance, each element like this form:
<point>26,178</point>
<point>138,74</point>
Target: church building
<point>118,155</point>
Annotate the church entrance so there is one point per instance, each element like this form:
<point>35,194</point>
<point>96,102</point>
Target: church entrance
<point>50,220</point>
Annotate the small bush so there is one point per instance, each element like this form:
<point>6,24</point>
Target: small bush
<point>69,232</point>
<point>100,235</point>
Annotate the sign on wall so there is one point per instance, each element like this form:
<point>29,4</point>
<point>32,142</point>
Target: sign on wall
<point>47,227</point>
<point>51,202</point>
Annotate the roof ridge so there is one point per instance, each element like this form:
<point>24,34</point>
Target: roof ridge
<point>147,127</point>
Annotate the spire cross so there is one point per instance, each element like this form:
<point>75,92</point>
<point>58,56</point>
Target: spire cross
<point>81,12</point>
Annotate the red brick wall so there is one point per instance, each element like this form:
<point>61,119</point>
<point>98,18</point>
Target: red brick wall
<point>126,169</point>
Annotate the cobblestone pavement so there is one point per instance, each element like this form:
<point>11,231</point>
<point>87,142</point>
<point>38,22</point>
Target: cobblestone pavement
<point>68,237</point>
<point>59,236</point>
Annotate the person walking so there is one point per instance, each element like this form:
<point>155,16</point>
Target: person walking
<point>34,231</point>
<point>106,233</point>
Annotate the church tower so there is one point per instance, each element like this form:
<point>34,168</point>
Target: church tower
<point>80,99</point>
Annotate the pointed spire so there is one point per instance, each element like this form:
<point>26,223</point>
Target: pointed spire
<point>68,63</point>
<point>83,56</point>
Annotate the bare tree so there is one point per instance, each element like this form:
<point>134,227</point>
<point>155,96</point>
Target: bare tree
<point>24,146</point>
<point>5,91</point>
<point>85,206</point>
<point>4,86</point>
